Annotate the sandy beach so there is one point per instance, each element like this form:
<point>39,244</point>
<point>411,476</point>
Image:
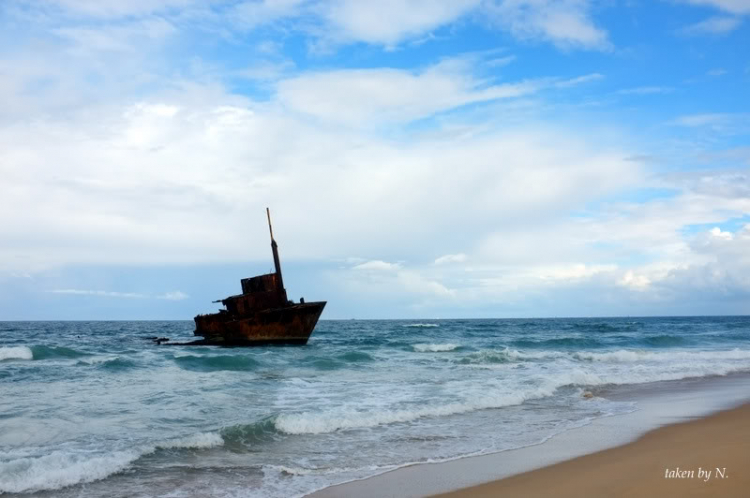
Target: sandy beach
<point>671,461</point>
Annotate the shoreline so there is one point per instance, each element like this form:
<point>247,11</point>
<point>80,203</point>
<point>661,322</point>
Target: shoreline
<point>707,457</point>
<point>659,404</point>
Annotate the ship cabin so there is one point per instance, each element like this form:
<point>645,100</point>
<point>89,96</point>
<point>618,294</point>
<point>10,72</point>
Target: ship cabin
<point>258,293</point>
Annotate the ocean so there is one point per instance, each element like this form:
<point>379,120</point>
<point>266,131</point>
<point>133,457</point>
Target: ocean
<point>96,409</point>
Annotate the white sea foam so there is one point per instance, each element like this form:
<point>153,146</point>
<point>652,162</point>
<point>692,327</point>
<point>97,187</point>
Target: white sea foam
<point>64,468</point>
<point>300,471</point>
<point>421,325</point>
<point>508,355</point>
<point>614,356</point>
<point>644,366</point>
<point>624,356</point>
<point>16,353</point>
<point>435,348</point>
<point>60,469</point>
<point>334,420</point>
<point>198,441</point>
<point>516,355</point>
<point>571,370</point>
<point>532,355</point>
<point>619,356</point>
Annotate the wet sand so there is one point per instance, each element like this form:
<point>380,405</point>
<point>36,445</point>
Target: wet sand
<point>641,468</point>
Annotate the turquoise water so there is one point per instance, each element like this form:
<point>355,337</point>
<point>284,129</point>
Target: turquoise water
<point>96,409</point>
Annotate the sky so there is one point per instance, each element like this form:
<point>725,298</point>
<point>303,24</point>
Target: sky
<point>421,158</point>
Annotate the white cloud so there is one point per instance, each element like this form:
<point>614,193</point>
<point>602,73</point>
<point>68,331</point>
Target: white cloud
<point>79,292</point>
<point>716,232</point>
<point>119,38</point>
<point>377,265</point>
<point>566,23</point>
<point>169,296</point>
<point>724,185</point>
<point>731,6</point>
<point>254,13</point>
<point>451,258</point>
<point>395,281</point>
<point>370,96</point>
<point>389,22</point>
<point>573,272</point>
<point>174,296</point>
<point>725,273</point>
<point>634,246</point>
<point>717,25</point>
<point>702,119</point>
<point>173,179</point>
<point>306,226</point>
<point>717,72</point>
<point>634,281</point>
<point>109,9</point>
<point>415,283</point>
<point>586,78</point>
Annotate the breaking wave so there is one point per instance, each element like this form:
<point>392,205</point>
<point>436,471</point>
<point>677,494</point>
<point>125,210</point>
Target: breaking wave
<point>693,357</point>
<point>681,365</point>
<point>508,355</point>
<point>435,348</point>
<point>16,353</point>
<point>201,440</point>
<point>45,352</point>
<point>335,420</point>
<point>421,325</point>
<point>672,358</point>
<point>38,353</point>
<point>60,469</point>
<point>249,434</point>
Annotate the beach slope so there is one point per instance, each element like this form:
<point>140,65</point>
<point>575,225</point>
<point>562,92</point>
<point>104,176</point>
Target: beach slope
<point>665,462</point>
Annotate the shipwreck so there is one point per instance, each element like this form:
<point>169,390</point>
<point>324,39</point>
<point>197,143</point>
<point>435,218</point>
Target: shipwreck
<point>262,314</point>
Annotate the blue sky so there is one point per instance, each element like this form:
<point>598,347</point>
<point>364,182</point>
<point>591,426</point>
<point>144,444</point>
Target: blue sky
<point>425,159</point>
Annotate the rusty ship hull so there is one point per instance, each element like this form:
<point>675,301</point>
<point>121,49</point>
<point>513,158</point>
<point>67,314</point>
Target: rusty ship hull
<point>288,325</point>
<point>262,314</point>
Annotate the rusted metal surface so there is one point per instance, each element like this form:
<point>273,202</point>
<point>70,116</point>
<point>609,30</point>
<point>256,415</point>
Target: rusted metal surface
<point>287,325</point>
<point>276,260</point>
<point>262,314</point>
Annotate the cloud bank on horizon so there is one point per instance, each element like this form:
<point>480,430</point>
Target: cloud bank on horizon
<point>421,158</point>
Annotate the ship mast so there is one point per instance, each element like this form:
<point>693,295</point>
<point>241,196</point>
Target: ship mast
<point>276,261</point>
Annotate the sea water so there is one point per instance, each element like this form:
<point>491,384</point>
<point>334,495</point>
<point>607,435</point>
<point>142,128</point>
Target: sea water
<point>96,409</point>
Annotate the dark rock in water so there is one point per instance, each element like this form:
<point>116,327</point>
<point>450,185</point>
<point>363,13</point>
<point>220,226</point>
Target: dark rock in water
<point>159,340</point>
